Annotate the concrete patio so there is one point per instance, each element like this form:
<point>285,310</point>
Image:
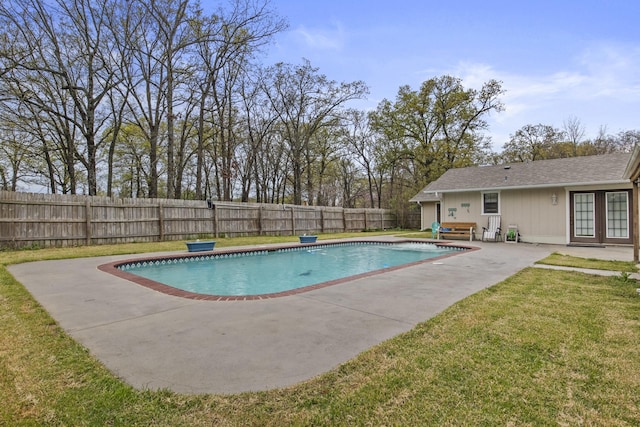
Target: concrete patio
<point>153,340</point>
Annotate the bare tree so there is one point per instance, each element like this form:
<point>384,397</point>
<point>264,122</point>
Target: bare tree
<point>67,74</point>
<point>14,153</point>
<point>605,143</point>
<point>305,102</point>
<point>574,133</point>
<point>321,158</point>
<point>361,142</point>
<point>258,142</point>
<point>627,140</point>
<point>226,47</point>
<point>171,24</point>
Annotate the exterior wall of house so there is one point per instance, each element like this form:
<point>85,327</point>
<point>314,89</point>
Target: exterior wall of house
<point>454,207</point>
<point>539,216</point>
<point>428,214</point>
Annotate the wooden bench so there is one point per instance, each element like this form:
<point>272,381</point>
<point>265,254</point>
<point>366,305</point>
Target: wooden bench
<point>457,229</point>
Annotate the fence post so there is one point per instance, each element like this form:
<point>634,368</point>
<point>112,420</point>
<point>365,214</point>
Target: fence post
<point>322,220</point>
<point>344,220</point>
<point>87,214</point>
<point>214,211</point>
<point>160,222</point>
<point>260,225</point>
<point>293,221</point>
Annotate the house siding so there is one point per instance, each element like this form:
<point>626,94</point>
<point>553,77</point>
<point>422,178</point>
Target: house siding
<point>537,218</point>
<point>428,214</point>
<point>462,212</point>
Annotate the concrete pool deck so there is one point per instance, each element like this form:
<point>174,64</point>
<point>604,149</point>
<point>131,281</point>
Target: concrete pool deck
<point>153,340</point>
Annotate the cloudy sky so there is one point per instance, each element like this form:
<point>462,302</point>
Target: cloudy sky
<point>557,59</point>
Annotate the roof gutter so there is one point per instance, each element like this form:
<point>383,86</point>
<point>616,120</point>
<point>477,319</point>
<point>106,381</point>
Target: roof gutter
<point>527,187</point>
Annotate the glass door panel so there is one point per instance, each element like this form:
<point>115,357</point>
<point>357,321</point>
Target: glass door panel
<point>584,214</point>
<point>617,215</point>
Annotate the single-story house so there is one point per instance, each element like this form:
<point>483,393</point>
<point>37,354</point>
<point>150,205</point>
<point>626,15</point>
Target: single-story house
<point>577,200</point>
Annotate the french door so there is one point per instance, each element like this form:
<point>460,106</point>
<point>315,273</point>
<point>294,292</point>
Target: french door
<point>601,217</point>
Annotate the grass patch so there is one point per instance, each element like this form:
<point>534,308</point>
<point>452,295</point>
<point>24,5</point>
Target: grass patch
<point>540,348</point>
<point>592,263</point>
<point>8,257</point>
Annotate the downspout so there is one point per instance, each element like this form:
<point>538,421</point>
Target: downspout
<point>636,244</point>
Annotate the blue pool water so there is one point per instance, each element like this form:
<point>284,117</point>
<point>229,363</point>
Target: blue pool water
<point>267,272</point>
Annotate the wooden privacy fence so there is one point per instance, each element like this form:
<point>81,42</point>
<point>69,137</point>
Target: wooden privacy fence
<point>53,220</point>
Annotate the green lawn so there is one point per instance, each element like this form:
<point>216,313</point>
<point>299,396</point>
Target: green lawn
<point>572,261</point>
<point>541,348</point>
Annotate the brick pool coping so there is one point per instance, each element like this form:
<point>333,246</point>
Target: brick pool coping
<point>112,268</point>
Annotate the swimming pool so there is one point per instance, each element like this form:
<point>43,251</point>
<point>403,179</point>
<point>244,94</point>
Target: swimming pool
<point>265,273</point>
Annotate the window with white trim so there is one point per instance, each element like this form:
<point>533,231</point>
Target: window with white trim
<point>490,203</point>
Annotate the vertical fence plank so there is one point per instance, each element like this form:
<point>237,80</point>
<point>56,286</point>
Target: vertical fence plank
<point>344,220</point>
<point>160,222</point>
<point>215,221</point>
<point>88,224</point>
<point>212,216</point>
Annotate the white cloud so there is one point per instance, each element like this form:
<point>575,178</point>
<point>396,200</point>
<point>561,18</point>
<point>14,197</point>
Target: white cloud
<point>323,39</point>
<point>613,70</point>
<point>599,86</point>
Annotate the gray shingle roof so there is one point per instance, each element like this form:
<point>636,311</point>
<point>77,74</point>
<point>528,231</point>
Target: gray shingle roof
<point>603,169</point>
